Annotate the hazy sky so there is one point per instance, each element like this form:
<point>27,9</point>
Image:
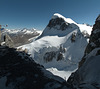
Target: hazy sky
<point>37,13</point>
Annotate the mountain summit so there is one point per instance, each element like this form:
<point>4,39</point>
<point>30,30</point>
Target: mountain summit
<point>58,26</point>
<point>57,15</point>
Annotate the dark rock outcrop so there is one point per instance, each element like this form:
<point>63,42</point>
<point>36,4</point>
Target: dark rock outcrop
<point>19,71</point>
<point>58,22</point>
<point>94,41</point>
<point>88,74</point>
<point>56,55</point>
<point>49,56</point>
<point>73,37</point>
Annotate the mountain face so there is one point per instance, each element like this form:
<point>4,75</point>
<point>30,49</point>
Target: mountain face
<point>94,39</point>
<point>88,74</point>
<point>19,71</point>
<point>58,26</point>
<point>60,43</point>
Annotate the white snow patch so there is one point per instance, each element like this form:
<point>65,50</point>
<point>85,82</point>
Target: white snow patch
<point>62,73</point>
<point>57,15</point>
<point>84,27</point>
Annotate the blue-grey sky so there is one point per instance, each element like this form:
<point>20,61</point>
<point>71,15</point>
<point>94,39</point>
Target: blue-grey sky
<point>37,13</point>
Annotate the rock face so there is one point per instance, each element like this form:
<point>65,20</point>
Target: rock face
<point>60,22</point>
<point>57,55</point>
<point>94,41</point>
<point>19,71</point>
<point>95,37</point>
<point>88,74</point>
<point>8,41</point>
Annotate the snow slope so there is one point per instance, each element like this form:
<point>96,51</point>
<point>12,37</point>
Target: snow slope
<point>62,73</point>
<point>61,45</point>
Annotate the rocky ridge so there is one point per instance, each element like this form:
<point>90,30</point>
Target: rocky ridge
<point>19,71</point>
<point>88,74</point>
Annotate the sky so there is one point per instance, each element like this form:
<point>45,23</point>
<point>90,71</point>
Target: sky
<point>37,13</point>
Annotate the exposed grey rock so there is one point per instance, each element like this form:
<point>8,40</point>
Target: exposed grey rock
<point>8,41</point>
<point>58,22</point>
<point>94,41</point>
<point>55,55</point>
<point>73,37</point>
<point>49,56</point>
<point>20,37</point>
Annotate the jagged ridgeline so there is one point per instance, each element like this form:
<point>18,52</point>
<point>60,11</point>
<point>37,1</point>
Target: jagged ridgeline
<point>88,74</point>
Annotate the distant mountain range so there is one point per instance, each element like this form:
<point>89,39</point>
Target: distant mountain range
<point>21,36</point>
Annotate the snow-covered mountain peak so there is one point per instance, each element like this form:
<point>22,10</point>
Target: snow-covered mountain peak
<point>57,42</point>
<point>57,15</point>
<point>59,26</point>
<point>61,45</point>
